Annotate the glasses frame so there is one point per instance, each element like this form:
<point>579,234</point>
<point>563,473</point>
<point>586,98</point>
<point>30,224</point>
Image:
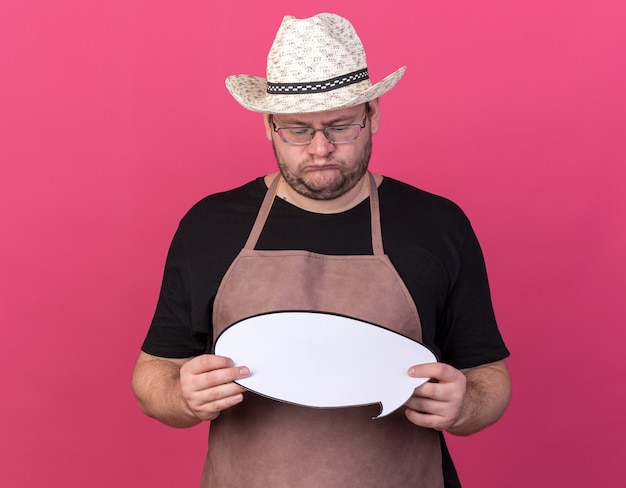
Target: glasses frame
<point>312,131</point>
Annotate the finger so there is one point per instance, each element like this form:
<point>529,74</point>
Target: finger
<point>426,370</point>
<point>207,362</point>
<point>429,406</point>
<point>210,410</point>
<point>432,390</point>
<point>452,393</point>
<point>426,420</point>
<point>435,371</point>
<point>214,378</point>
<point>216,395</point>
<point>207,404</point>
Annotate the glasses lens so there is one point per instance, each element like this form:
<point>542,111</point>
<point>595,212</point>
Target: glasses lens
<point>344,133</point>
<point>302,135</point>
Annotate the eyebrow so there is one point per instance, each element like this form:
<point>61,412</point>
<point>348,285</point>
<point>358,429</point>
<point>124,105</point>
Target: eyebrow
<point>340,120</point>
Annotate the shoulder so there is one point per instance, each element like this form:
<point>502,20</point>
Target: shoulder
<point>237,201</point>
<point>402,201</point>
<point>220,219</point>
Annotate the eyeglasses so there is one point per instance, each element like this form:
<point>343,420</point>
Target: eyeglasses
<point>336,134</point>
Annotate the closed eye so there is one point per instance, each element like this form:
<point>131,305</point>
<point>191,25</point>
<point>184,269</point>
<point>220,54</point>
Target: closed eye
<point>338,129</point>
<point>298,132</point>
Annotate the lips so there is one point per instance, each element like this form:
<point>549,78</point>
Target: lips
<point>320,166</point>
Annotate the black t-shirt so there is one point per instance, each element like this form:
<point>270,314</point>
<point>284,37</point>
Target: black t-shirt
<point>428,239</point>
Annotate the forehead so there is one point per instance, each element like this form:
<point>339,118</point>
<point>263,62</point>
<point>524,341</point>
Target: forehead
<point>322,118</point>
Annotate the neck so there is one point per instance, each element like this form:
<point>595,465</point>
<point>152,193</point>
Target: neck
<point>345,202</point>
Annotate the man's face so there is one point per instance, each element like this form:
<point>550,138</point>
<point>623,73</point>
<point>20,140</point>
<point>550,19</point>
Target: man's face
<point>321,170</point>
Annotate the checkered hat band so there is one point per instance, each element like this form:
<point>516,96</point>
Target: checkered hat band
<point>317,86</point>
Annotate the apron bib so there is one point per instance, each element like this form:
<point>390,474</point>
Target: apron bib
<point>270,444</point>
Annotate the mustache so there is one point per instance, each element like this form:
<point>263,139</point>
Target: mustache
<point>311,160</point>
<point>308,160</point>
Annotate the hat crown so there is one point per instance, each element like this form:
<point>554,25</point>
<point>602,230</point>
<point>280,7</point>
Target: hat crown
<point>318,48</point>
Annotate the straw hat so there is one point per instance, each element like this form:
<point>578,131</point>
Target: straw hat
<point>314,65</point>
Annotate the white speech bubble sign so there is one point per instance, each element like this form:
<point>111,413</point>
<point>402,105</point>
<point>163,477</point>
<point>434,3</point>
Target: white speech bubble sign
<point>323,360</point>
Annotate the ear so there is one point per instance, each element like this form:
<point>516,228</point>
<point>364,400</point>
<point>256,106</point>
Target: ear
<point>268,126</point>
<point>374,115</point>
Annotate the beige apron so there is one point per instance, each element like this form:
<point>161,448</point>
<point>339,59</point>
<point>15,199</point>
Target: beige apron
<point>270,444</point>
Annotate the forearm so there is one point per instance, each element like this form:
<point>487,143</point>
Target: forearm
<point>487,395</point>
<point>156,383</point>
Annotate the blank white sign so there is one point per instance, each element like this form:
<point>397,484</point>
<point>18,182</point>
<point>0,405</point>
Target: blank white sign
<point>324,360</point>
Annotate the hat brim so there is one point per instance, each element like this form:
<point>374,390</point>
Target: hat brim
<point>251,93</point>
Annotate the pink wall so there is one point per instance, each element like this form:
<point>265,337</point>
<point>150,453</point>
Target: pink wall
<point>114,119</point>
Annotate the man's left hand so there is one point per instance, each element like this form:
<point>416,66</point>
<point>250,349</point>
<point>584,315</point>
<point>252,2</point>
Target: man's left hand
<point>438,403</point>
<point>460,402</point>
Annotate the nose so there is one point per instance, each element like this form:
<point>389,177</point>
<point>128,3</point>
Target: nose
<point>320,145</point>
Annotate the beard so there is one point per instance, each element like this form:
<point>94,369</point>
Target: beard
<point>344,181</point>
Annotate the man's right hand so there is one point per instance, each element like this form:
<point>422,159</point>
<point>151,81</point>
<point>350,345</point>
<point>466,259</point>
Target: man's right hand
<point>207,385</point>
<point>182,392</point>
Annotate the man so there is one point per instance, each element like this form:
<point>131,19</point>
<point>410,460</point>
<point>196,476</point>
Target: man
<point>319,247</point>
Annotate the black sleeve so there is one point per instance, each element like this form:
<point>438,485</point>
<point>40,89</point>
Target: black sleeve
<point>208,238</point>
<point>170,334</point>
<point>469,335</point>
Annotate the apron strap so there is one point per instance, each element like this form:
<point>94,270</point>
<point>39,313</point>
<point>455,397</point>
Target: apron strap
<point>264,210</point>
<point>377,234</point>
